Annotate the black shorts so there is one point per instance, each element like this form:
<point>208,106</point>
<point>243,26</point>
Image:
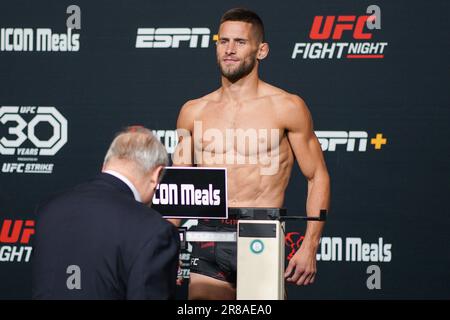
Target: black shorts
<point>215,259</point>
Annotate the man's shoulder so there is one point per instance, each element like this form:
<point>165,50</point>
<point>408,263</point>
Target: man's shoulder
<point>102,204</point>
<point>192,109</point>
<point>282,97</point>
<point>92,194</point>
<point>202,101</point>
<point>61,197</point>
<point>289,108</point>
<point>286,103</point>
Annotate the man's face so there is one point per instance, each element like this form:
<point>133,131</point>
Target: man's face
<point>236,49</point>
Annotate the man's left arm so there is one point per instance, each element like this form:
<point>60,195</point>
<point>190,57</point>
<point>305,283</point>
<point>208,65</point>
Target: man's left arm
<point>306,147</point>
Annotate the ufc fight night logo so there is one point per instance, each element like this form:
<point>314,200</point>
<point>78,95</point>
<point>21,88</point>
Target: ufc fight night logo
<point>326,31</point>
<point>15,236</point>
<point>28,132</point>
<point>172,37</point>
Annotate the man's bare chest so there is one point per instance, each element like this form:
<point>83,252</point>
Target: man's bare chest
<point>247,130</point>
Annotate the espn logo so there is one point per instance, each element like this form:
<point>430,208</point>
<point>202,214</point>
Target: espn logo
<point>172,37</point>
<point>329,139</point>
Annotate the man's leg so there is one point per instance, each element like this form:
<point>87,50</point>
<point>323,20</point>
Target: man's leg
<point>202,287</point>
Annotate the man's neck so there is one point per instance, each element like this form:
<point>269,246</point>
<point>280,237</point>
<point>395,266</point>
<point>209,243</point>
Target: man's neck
<point>124,169</point>
<point>242,89</point>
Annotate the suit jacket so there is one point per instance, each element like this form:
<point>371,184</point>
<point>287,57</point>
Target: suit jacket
<point>97,242</point>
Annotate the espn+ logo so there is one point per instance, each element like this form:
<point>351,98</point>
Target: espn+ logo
<point>352,140</point>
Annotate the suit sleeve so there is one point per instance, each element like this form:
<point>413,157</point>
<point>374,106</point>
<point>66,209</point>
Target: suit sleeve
<point>154,271</point>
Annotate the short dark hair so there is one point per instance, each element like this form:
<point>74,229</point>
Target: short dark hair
<point>245,15</point>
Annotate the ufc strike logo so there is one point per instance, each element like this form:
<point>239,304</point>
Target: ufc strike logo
<point>43,114</point>
<point>171,37</point>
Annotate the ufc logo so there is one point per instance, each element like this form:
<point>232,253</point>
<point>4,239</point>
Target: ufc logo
<point>171,37</point>
<point>13,231</point>
<point>293,240</point>
<point>22,130</point>
<point>194,261</point>
<point>334,27</point>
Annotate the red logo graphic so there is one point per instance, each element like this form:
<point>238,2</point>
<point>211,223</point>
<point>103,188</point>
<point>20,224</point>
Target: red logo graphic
<point>14,230</point>
<point>293,240</point>
<point>340,24</point>
<point>204,245</point>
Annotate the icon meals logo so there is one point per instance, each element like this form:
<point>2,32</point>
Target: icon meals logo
<point>343,249</point>
<point>44,39</point>
<point>41,40</point>
<point>28,132</point>
<point>168,194</point>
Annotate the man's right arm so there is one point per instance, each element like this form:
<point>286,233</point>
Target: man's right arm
<point>184,152</point>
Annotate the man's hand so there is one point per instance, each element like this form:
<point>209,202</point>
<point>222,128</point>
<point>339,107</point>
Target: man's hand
<point>179,275</point>
<point>302,268</point>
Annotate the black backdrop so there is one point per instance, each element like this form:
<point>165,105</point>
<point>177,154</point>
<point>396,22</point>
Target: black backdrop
<point>397,193</point>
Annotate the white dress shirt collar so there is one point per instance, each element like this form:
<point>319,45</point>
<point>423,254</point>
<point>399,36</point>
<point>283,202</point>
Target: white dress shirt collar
<point>125,180</point>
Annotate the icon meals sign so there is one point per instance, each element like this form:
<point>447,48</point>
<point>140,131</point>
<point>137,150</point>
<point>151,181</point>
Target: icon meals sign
<point>190,192</point>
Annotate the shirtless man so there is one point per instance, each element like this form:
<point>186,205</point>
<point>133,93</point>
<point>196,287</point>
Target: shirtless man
<point>256,131</point>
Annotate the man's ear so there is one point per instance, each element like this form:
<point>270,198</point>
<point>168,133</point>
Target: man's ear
<point>263,51</point>
<point>156,175</point>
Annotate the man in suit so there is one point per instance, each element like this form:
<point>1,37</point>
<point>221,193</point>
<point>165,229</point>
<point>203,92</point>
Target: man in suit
<point>101,240</point>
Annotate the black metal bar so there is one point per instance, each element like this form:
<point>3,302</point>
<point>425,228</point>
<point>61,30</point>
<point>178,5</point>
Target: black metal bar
<point>322,217</point>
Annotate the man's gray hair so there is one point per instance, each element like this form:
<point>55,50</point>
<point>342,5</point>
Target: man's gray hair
<point>138,144</point>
